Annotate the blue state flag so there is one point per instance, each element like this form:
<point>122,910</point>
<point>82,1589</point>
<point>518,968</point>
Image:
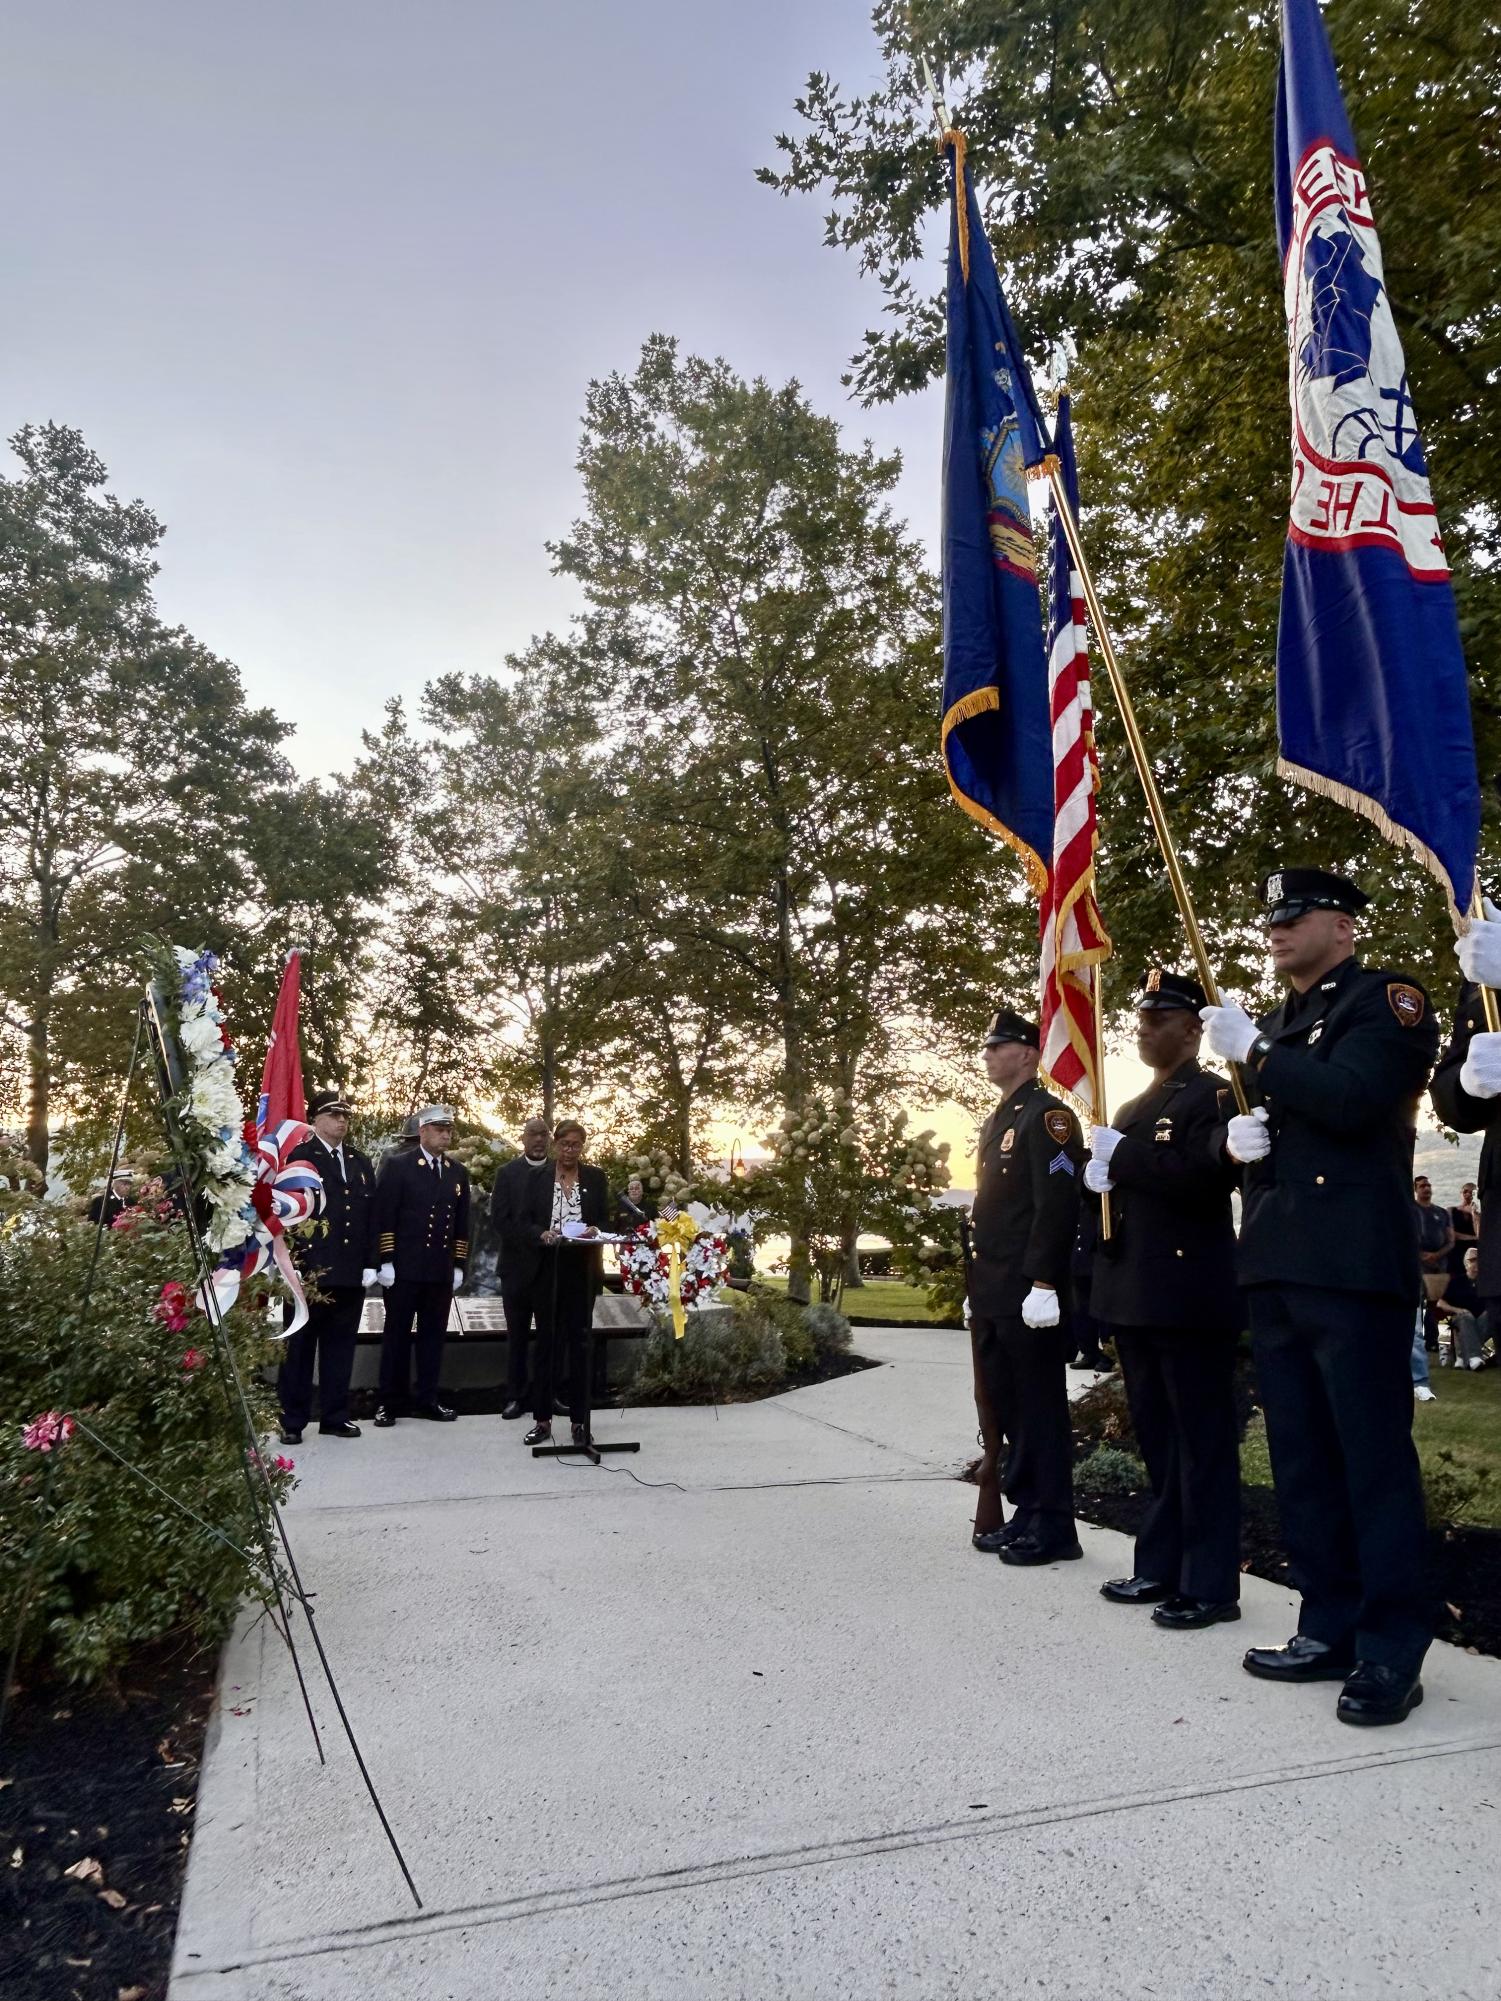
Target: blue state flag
<point>997,740</point>
<point>1373,702</point>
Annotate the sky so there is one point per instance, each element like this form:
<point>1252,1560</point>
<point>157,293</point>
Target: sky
<point>324,285</point>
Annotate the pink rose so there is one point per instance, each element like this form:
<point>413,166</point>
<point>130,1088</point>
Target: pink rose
<point>50,1429</point>
<point>281,1464</point>
<point>193,1359</point>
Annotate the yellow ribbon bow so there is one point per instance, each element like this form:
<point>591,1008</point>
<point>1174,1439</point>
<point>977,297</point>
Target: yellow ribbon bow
<point>679,1235</point>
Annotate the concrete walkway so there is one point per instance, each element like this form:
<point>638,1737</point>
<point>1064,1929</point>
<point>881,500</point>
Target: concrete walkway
<point>775,1730</point>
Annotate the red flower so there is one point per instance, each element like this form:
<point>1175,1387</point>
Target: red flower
<point>51,1428</point>
<point>281,1464</point>
<point>126,1221</point>
<point>193,1359</point>
<point>173,1306</point>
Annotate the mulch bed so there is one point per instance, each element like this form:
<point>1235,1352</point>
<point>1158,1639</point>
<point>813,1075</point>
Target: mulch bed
<point>108,1778</point>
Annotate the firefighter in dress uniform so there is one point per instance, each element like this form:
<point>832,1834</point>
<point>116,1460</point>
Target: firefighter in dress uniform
<point>1164,1287</point>
<point>422,1233</point>
<point>1022,1233</point>
<point>1328,1259</point>
<point>337,1263</point>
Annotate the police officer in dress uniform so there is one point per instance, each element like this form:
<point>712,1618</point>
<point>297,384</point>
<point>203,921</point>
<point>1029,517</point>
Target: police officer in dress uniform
<point>1164,1286</point>
<point>422,1232</point>
<point>1466,1094</point>
<point>1329,1260</point>
<point>337,1262</point>
<point>1025,1212</point>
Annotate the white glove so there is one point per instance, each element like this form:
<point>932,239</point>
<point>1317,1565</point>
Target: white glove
<point>458,1278</point>
<point>1040,1308</point>
<point>1480,1074</point>
<point>1246,1136</point>
<point>1097,1176</point>
<point>386,1275</point>
<point>1103,1140</point>
<point>1479,951</point>
<point>367,1278</point>
<point>1231,1031</point>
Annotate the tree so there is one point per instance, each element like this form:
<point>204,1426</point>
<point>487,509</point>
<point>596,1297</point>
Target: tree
<point>1123,154</point>
<point>770,639</point>
<point>129,768</point>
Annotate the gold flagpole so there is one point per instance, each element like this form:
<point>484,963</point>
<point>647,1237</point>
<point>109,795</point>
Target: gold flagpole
<point>1144,772</point>
<point>1101,1115</point>
<point>1487,994</point>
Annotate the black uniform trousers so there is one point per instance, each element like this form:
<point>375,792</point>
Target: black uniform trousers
<point>564,1296</point>
<point>1333,1374</point>
<point>333,1326</point>
<point>523,1309</point>
<point>1180,1387</point>
<point>1023,1368</point>
<point>427,1302</point>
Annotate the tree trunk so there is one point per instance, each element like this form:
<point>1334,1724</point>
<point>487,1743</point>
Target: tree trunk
<point>39,1089</point>
<point>852,1275</point>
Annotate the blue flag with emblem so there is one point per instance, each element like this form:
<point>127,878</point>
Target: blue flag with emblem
<point>997,735</point>
<point>1373,702</point>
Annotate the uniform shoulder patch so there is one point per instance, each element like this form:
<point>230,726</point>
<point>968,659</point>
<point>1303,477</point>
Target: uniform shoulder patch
<point>1407,1002</point>
<point>1058,1125</point>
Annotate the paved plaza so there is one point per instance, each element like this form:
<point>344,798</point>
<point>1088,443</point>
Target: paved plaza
<point>774,1730</point>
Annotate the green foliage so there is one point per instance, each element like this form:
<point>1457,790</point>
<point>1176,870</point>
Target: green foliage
<point>1456,1491</point>
<point>118,1566</point>
<point>720,1357</point>
<point>1122,154</point>
<point>1109,1470</point>
<point>831,1332</point>
<point>1103,1415</point>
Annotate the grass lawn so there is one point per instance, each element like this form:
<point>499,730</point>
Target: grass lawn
<point>1464,1424</point>
<point>890,1300</point>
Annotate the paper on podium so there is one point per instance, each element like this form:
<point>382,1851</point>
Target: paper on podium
<point>577,1232</point>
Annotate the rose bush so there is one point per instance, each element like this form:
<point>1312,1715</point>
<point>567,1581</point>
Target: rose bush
<point>116,1564</point>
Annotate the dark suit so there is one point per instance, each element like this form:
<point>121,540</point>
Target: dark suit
<point>567,1284</point>
<point>1457,1108</point>
<point>331,1259</point>
<point>520,1204</point>
<point>1024,1218</point>
<point>1329,1257</point>
<point>1165,1286</point>
<point>422,1228</point>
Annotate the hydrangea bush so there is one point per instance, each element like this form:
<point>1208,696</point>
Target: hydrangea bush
<point>117,1565</point>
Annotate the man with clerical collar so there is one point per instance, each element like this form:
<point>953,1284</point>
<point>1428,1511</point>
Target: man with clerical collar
<point>520,1208</point>
<point>1164,1285</point>
<point>337,1262</point>
<point>422,1229</point>
<point>1022,1225</point>
<point>1328,1258</point>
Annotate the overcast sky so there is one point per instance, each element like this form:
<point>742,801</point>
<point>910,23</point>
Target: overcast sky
<point>324,283</point>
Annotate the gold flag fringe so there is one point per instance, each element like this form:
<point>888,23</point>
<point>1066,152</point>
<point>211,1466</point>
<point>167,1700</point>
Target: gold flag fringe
<point>955,138</point>
<point>974,704</point>
<point>1372,810</point>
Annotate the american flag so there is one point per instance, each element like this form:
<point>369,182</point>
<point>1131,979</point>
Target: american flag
<point>1074,942</point>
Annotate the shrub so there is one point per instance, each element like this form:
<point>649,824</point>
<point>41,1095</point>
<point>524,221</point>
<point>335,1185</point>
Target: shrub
<point>721,1354</point>
<point>116,1565</point>
<point>1108,1470</point>
<point>830,1330</point>
<point>1454,1490</point>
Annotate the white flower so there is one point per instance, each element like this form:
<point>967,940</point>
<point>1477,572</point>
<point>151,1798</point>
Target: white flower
<point>200,1037</point>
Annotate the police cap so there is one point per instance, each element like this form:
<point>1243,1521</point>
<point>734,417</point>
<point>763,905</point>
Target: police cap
<point>328,1101</point>
<point>1289,893</point>
<point>1009,1027</point>
<point>1157,990</point>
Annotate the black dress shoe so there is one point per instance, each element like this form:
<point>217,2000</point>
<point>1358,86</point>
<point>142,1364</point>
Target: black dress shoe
<point>1026,1550</point>
<point>1302,1659</point>
<point>439,1413</point>
<point>993,1539</point>
<point>1376,1694</point>
<point>1100,1365</point>
<point>515,1408</point>
<point>1135,1591</point>
<point>1186,1615</point>
<point>288,1436</point>
<point>540,1434</point>
<point>385,1417</point>
<point>344,1430</point>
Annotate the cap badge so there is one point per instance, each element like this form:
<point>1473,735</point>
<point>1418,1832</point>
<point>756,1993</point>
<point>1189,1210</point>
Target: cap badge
<point>1154,980</point>
<point>1274,888</point>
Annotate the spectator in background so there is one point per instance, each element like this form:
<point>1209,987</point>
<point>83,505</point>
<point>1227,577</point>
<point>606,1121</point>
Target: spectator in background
<point>1465,1218</point>
<point>1435,1245</point>
<point>1084,1330</point>
<point>1459,1317</point>
<point>109,1203</point>
<point>632,1207</point>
